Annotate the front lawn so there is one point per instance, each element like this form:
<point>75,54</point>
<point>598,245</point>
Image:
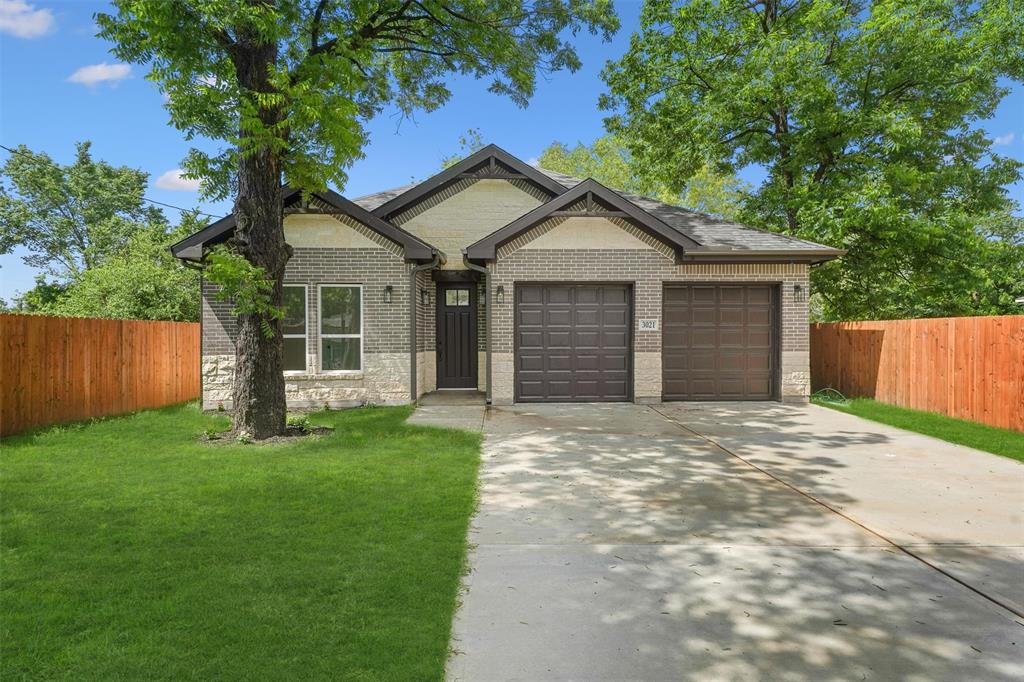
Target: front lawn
<point>988,438</point>
<point>132,551</point>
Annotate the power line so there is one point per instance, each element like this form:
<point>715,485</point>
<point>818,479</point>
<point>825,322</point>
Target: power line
<point>152,201</point>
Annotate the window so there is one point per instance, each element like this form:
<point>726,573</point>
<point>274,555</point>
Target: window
<point>293,324</point>
<point>341,328</point>
<point>456,297</point>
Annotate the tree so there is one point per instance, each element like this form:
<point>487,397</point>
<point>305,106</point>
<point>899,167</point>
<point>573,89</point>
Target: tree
<point>864,116</point>
<point>287,85</point>
<point>608,161</point>
<point>142,282</point>
<point>469,143</point>
<point>71,218</point>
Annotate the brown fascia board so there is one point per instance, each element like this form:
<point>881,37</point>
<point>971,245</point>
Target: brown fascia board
<point>191,247</point>
<point>810,256</point>
<point>452,173</point>
<point>486,248</point>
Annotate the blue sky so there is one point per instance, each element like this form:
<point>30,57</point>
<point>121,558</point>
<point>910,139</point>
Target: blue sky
<point>59,84</point>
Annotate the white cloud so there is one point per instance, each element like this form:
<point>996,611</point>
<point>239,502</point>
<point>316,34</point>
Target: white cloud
<point>533,161</point>
<point>100,73</point>
<point>1003,139</point>
<point>173,181</point>
<point>23,20</point>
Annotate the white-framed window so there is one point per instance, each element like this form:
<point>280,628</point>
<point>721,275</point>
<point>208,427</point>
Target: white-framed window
<point>293,324</point>
<point>341,327</point>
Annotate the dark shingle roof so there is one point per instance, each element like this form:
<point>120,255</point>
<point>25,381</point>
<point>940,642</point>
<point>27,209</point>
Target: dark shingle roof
<point>713,234</point>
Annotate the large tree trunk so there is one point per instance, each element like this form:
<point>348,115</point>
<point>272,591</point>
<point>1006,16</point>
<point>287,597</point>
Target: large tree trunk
<point>259,399</point>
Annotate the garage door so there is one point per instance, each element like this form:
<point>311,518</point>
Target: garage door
<point>719,342</point>
<point>573,342</point>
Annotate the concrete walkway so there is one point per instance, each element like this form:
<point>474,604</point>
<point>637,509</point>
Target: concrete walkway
<point>613,543</point>
<point>451,410</point>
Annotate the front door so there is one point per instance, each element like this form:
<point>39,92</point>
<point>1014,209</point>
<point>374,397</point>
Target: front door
<point>456,335</point>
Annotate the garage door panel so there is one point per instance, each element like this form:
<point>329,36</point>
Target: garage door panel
<point>703,316</point>
<point>582,337</point>
<point>704,338</point>
<point>731,337</point>
<point>586,339</point>
<point>719,342</point>
<point>557,338</point>
<point>531,339</point>
<point>759,295</point>
<point>704,294</point>
<point>615,317</point>
<point>558,317</point>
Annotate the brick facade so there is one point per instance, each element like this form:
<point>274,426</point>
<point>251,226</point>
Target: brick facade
<point>619,252</point>
<point>647,269</point>
<point>384,377</point>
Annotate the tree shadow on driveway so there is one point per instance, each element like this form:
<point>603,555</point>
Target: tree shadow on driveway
<point>610,544</point>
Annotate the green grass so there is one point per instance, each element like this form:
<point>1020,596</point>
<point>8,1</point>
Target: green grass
<point>988,438</point>
<point>132,551</point>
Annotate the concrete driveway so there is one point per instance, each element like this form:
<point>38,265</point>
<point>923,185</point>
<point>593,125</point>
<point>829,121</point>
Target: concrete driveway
<point>737,542</point>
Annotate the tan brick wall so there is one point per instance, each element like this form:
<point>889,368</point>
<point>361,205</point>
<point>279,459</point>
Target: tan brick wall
<point>647,270</point>
<point>366,259</point>
<point>469,210</point>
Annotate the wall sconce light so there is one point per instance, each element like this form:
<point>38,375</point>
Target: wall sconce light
<point>798,292</point>
<point>424,296</point>
<point>387,294</point>
<point>499,295</point>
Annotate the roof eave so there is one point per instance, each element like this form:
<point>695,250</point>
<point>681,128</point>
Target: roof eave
<point>811,256</point>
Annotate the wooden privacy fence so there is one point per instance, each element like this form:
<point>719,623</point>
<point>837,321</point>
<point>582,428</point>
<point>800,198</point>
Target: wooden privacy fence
<point>966,367</point>
<point>63,369</point>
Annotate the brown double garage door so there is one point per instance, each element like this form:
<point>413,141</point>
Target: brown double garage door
<point>574,342</point>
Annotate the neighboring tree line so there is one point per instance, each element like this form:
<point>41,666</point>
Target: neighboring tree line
<point>101,249</point>
<point>865,117</point>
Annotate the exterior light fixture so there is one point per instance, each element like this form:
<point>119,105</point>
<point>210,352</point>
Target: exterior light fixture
<point>499,295</point>
<point>387,293</point>
<point>798,292</point>
<point>424,296</point>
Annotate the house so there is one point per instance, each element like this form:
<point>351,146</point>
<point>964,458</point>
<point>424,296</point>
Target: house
<point>533,286</point>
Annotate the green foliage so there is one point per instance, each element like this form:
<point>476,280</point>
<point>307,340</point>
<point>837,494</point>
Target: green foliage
<point>864,115</point>
<point>143,282</point>
<point>609,162</point>
<point>72,217</point>
<point>299,421</point>
<point>246,286</point>
<point>333,65</point>
<point>972,434</point>
<point>469,143</point>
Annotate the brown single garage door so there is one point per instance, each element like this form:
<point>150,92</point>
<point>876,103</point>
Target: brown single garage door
<point>719,342</point>
<point>573,342</point>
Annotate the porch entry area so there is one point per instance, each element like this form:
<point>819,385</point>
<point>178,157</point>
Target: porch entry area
<point>456,335</point>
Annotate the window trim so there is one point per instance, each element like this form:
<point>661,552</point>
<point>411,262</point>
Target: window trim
<point>305,324</point>
<point>320,336</point>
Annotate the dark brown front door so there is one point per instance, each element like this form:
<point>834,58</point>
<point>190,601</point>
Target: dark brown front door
<point>719,342</point>
<point>574,342</point>
<point>456,335</point>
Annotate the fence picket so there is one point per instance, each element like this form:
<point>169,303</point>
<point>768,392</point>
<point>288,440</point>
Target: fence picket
<point>61,369</point>
<point>967,367</point>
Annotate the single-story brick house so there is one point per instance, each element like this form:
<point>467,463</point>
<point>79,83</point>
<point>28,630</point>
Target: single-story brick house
<point>533,286</point>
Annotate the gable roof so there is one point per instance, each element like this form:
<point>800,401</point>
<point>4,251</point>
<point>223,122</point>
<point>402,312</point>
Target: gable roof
<point>191,247</point>
<point>490,162</point>
<point>591,191</point>
<point>719,237</point>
